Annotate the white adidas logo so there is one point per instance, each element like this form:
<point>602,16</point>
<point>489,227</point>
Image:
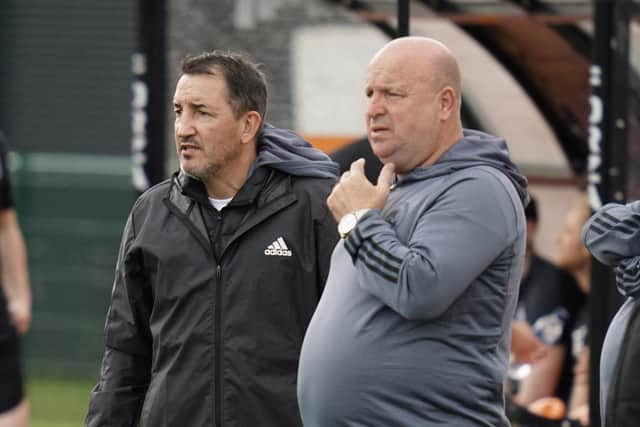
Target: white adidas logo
<point>278,248</point>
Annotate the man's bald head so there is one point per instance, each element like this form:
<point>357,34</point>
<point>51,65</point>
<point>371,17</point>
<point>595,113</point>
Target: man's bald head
<point>413,107</point>
<point>424,57</point>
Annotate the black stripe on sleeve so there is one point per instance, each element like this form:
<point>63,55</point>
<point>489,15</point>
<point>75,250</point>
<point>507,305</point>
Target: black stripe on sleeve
<point>392,269</point>
<point>624,228</point>
<point>375,268</point>
<point>605,224</point>
<point>609,217</point>
<point>596,229</point>
<point>385,254</point>
<point>632,222</point>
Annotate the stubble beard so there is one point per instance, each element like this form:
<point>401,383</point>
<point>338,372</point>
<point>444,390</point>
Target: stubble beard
<point>204,173</point>
<point>194,168</point>
<point>206,164</point>
<point>207,171</point>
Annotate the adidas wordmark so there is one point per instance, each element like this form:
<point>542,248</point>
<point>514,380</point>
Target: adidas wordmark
<point>278,248</point>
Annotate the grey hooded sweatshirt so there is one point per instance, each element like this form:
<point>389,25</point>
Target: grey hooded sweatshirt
<point>612,235</point>
<point>413,328</point>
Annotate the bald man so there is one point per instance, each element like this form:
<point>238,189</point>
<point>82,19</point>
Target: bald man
<point>413,327</point>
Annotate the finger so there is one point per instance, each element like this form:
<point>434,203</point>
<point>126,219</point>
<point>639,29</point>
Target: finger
<point>344,176</point>
<point>385,179</point>
<point>358,166</point>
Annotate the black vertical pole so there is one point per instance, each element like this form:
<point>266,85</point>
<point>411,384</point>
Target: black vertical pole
<point>148,95</point>
<point>403,18</point>
<point>607,162</point>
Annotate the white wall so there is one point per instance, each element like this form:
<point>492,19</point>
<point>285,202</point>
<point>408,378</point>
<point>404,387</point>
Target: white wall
<point>329,64</point>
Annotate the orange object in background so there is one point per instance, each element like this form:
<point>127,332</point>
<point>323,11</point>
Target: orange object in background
<point>548,407</point>
<point>329,144</point>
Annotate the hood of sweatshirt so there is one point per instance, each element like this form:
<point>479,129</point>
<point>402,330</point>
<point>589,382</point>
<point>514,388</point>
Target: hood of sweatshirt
<point>285,151</point>
<point>474,149</point>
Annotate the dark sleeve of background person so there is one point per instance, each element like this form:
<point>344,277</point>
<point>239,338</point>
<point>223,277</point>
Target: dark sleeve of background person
<point>545,290</point>
<point>6,199</point>
<point>574,300</point>
<point>351,152</point>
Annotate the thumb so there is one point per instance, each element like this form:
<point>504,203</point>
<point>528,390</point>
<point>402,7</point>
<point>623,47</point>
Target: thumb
<point>385,179</point>
<point>358,166</point>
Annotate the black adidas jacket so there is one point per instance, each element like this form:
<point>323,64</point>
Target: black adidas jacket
<point>209,309</point>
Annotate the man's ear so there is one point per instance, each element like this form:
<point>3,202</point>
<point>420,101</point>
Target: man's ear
<point>250,126</point>
<point>448,100</point>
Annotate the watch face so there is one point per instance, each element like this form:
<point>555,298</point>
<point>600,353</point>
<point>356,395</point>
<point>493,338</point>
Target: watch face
<point>346,224</point>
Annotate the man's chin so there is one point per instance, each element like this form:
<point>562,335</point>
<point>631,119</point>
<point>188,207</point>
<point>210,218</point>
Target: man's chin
<point>383,155</point>
<point>187,173</point>
<point>201,173</point>
<point>192,172</point>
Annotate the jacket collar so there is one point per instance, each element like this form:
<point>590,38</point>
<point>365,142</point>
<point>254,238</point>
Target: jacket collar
<point>194,189</point>
<point>191,187</point>
<point>266,192</point>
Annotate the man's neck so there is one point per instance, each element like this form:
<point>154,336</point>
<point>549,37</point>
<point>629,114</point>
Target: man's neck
<point>451,136</point>
<point>226,182</point>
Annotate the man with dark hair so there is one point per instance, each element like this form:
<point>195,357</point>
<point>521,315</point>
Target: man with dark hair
<point>220,267</point>
<point>15,304</point>
<point>246,83</point>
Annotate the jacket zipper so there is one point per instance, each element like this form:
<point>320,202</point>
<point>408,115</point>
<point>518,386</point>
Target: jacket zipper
<point>218,325</point>
<point>218,347</point>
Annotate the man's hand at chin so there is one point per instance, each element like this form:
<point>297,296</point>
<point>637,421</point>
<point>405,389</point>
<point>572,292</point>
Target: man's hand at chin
<point>354,191</point>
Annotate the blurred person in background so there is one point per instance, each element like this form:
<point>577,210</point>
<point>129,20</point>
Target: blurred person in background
<point>548,305</point>
<point>15,304</point>
<point>573,256</point>
<point>414,325</point>
<point>220,267</point>
<point>612,235</point>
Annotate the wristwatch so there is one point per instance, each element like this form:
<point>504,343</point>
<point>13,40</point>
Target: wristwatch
<point>349,221</point>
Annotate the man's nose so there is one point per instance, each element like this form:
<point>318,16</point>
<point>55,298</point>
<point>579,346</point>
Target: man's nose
<point>375,106</point>
<point>184,126</point>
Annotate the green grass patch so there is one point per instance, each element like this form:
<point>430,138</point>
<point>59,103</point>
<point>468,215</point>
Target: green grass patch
<point>58,403</point>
